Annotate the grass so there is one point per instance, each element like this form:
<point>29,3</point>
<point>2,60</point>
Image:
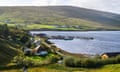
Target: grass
<point>61,68</point>
<point>38,26</point>
<point>53,27</point>
<point>41,59</point>
<point>82,24</point>
<point>47,26</point>
<point>47,68</point>
<point>107,68</point>
<point>7,52</point>
<point>11,25</point>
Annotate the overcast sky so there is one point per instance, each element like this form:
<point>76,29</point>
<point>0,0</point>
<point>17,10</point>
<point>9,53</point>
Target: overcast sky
<point>104,5</point>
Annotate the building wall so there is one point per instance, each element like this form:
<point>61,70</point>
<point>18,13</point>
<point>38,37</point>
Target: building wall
<point>104,56</point>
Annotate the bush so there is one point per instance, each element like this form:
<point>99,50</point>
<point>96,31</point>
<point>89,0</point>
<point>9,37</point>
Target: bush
<point>90,62</point>
<point>54,59</point>
<point>70,62</point>
<point>99,63</point>
<point>21,60</point>
<point>24,39</point>
<point>109,61</point>
<point>78,63</point>
<point>118,59</point>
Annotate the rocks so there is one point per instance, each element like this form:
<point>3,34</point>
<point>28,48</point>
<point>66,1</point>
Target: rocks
<point>62,37</point>
<point>69,37</point>
<point>87,38</point>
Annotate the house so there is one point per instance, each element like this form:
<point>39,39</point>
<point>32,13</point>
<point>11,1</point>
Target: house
<point>36,51</point>
<point>37,42</point>
<point>27,51</point>
<point>109,54</point>
<point>42,35</point>
<point>40,51</point>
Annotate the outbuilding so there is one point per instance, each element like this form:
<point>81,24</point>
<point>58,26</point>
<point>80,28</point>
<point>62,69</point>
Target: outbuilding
<point>109,55</point>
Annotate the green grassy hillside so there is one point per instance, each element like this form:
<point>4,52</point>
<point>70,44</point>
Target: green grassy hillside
<point>7,51</point>
<point>73,18</point>
<point>10,43</point>
<point>60,68</point>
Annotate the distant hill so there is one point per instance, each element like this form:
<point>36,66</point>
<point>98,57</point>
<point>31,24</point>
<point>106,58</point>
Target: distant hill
<point>64,15</point>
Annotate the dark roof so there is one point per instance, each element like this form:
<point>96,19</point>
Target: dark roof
<point>112,54</point>
<point>42,35</point>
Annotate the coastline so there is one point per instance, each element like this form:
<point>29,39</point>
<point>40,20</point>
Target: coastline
<point>71,30</point>
<point>78,54</point>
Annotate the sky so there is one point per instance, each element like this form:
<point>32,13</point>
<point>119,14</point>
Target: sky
<point>103,5</point>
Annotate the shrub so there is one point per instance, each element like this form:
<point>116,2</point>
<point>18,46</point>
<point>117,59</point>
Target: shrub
<point>22,60</point>
<point>24,39</point>
<point>90,62</point>
<point>118,59</point>
<point>99,63</point>
<point>109,61</point>
<point>70,62</point>
<point>54,59</point>
<point>78,63</point>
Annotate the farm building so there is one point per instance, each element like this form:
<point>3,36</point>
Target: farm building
<point>109,54</point>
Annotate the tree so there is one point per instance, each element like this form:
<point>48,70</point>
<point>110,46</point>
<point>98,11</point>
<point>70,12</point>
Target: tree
<point>4,30</point>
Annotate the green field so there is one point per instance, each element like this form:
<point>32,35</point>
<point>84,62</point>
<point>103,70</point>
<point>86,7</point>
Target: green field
<point>61,68</point>
<point>53,27</point>
<point>39,27</point>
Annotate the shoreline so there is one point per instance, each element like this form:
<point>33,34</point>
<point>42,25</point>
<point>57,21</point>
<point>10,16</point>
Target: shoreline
<point>62,52</point>
<point>69,30</point>
<point>74,54</point>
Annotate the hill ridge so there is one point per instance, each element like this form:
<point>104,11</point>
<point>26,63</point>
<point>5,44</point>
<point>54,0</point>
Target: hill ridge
<point>60,15</point>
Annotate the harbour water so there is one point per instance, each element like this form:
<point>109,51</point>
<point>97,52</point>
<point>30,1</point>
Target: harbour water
<point>104,41</point>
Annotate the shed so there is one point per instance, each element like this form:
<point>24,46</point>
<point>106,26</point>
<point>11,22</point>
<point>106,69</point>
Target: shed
<point>42,53</point>
<point>42,35</point>
<point>27,51</point>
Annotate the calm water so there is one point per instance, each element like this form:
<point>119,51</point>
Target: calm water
<point>104,41</point>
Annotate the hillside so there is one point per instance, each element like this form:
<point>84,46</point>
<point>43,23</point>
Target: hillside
<point>61,68</point>
<point>60,15</point>
<point>10,43</point>
<point>7,51</point>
